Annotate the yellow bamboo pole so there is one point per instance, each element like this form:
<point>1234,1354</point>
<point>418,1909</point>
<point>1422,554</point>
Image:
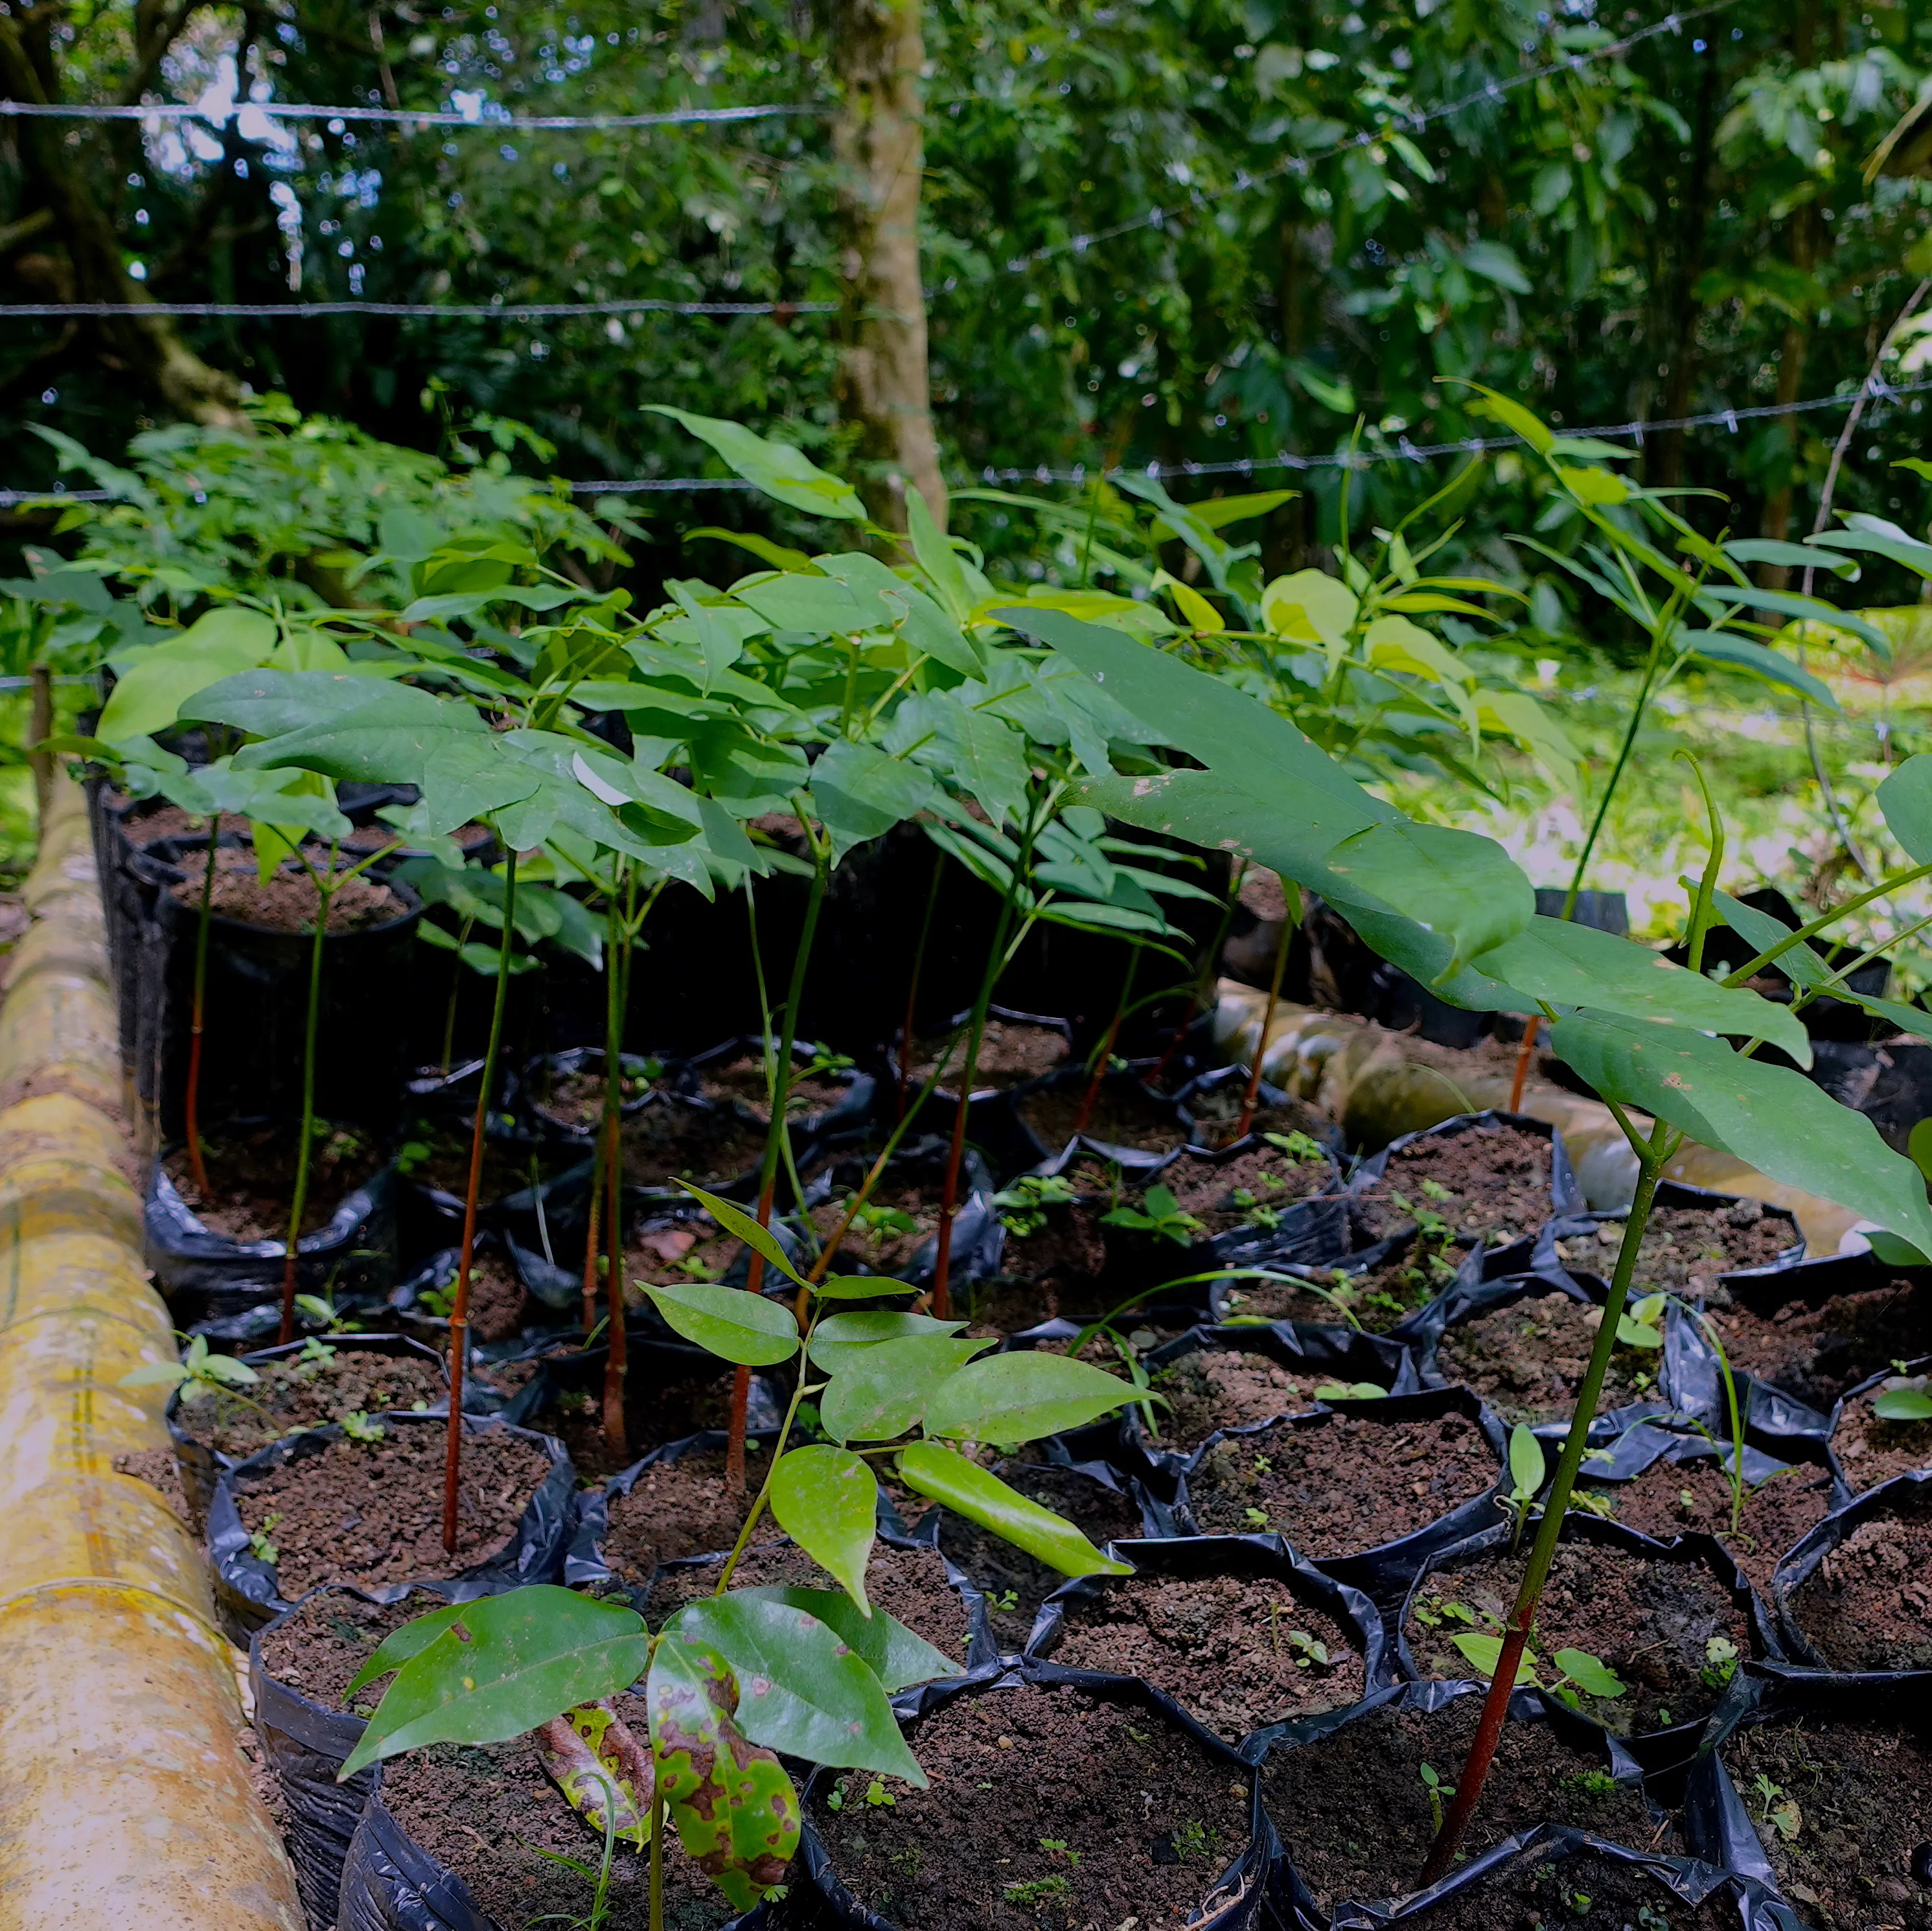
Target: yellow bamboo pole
<point>125,1799</point>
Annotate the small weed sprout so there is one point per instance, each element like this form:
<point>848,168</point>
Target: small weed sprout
<point>198,1374</point>
<point>1034,1892</point>
<point>1785,1817</point>
<point>357,1427</point>
<point>1023,1205</point>
<point>1158,1214</point>
<point>1527,1470</point>
<point>1193,1842</point>
<point>1721,1662</point>
<point>259,1545</point>
<point>1436,1789</point>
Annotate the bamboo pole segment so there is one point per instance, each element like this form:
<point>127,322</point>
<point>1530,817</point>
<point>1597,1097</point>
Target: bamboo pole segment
<point>125,1799</point>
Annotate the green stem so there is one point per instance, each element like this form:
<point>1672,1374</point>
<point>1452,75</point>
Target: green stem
<point>292,1260</point>
<point>1651,1157</point>
<point>756,1511</point>
<point>1752,967</point>
<point>459,1311</point>
<point>455,989</point>
<point>1657,637</point>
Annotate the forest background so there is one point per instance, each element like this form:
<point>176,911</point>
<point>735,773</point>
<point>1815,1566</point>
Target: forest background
<point>1238,242</point>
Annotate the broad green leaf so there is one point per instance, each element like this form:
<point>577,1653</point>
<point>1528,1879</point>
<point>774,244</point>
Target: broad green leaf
<point>1462,887</point>
<point>269,704</point>
<point>1486,1652</point>
<point>1594,485</point>
<point>1790,604</point>
<point>400,1644</point>
<point>148,693</point>
<point>1310,607</point>
<point>1525,1461</point>
<point>1517,420</point>
<point>1201,616</point>
<point>1905,799</point>
<point>1793,555</point>
<point>938,558</point>
<point>1903,1404</point>
<point>804,1691</point>
<point>777,468</point>
<point>884,1390</point>
<point>1719,646</point>
<point>861,793</point>
<point>819,605</point>
<point>928,1469</point>
<point>736,1811</point>
<point>390,738</point>
<point>1588,1673</point>
<point>1774,1119</point>
<point>735,1220</point>
<point>468,775</point>
<point>467,603</point>
<point>826,1499</point>
<point>1571,965</point>
<point>1024,1395</point>
<point>730,1322</point>
<point>864,1287</point>
<point>502,1666</point>
<point>897,1656</point>
<point>837,1341</point>
<point>1891,542</point>
<point>984,757</point>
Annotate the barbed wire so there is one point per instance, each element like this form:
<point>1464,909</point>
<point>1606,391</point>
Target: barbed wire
<point>501,123</point>
<point>1407,124</point>
<point>1404,452</point>
<point>504,311</point>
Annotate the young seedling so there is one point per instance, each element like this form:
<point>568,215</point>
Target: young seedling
<point>357,1428</point>
<point>1903,1398</point>
<point>1436,1789</point>
<point>1023,1205</point>
<point>198,1374</point>
<point>1160,1213</point>
<point>1784,1816</point>
<point>1579,1674</point>
<point>1527,1470</point>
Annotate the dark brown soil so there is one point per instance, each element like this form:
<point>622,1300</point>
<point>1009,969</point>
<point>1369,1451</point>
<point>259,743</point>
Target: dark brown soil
<point>296,1394</point>
<point>1218,1112</point>
<point>287,901</point>
<point>1223,1194</point>
<point>1340,1485</point>
<point>1534,1890</point>
<point>1010,1053</point>
<point>576,1100</point>
<point>1856,1799</point>
<point>694,1249</point>
<point>908,1584</point>
<point>1069,1250</point>
<point>169,820</point>
<point>325,1641</point>
<point>742,1080</point>
<point>1233,1651</point>
<point>158,1468</point>
<point>656,1411</point>
<point>489,1812</point>
<point>253,1175</point>
<point>877,1242</point>
<point>371,1513</point>
<point>681,1141</point>
<point>1015,1583</point>
<point>1009,1306</point>
<point>674,1510</point>
<point>379,837</point>
<point>1121,1116</point>
<point>1868,1604</point>
<point>1377,1297</point>
<point>1816,1353</point>
<point>1355,1811</point>
<point>1776,1514</point>
<point>1649,1620</point>
<point>1497,1180</point>
<point>1214,1388</point>
<point>498,1302</point>
<point>1871,1451</point>
<point>1684,1249</point>
<point>1527,1360</point>
<point>1045,1808</point>
<point>439,1157</point>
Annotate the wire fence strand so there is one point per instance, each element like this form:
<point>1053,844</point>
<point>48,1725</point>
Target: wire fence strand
<point>501,123</point>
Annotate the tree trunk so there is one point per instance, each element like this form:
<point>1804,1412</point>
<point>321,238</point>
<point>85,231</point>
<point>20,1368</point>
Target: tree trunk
<point>878,138</point>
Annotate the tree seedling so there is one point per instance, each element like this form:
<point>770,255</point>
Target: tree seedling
<point>1023,1206</point>
<point>259,1544</point>
<point>1578,1673</point>
<point>1527,1470</point>
<point>1774,1808</point>
<point>1721,1662</point>
<point>1436,1789</point>
<point>197,1374</point>
<point>1159,1213</point>
<point>1903,1398</point>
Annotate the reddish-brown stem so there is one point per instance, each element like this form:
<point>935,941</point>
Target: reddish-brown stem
<point>459,1311</point>
<point>616,1363</point>
<point>197,1163</point>
<point>1254,1087</point>
<point>1105,1055</point>
<point>1522,1059</point>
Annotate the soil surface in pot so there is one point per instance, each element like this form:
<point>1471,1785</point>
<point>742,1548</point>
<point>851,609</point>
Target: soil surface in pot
<point>251,1177</point>
<point>1015,1583</point>
<point>1355,1812</point>
<point>679,1140</point>
<point>1339,1484</point>
<point>1045,1806</point>
<point>658,1409</point>
<point>674,1510</point>
<point>1235,1652</point>
<point>575,1100</point>
<point>693,1248</point>
<point>908,1584</point>
<point>1377,1297</point>
<point>1491,1183</point>
<point>1817,1353</point>
<point>1217,1388</point>
<point>498,1301</point>
<point>437,1156</point>
<point>1868,1604</point>
<point>169,820</point>
<point>366,1513</point>
<point>323,1643</point>
<point>1583,1893</point>
<point>287,900</point>
<point>887,1232</point>
<point>1011,1052</point>
<point>1676,1498</point>
<point>1871,1450</point>
<point>489,1812</point>
<point>293,1393</point>
<point>1684,1249</point>
<point>158,1468</point>
<point>1526,1360</point>
<point>1846,1818</point>
<point>1121,1116</point>
<point>1245,1189</point>
<point>1651,1620</point>
<point>1055,1253</point>
<point>1217,1112</point>
<point>742,1081</point>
